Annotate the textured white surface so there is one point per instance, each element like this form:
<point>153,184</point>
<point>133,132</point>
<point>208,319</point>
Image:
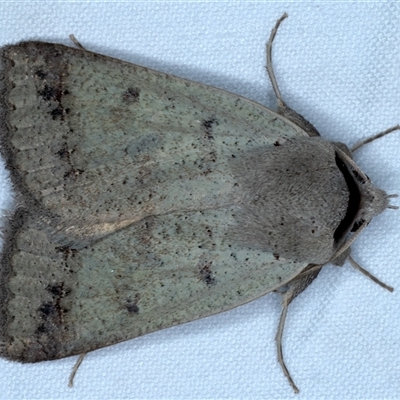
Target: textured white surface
<point>338,65</point>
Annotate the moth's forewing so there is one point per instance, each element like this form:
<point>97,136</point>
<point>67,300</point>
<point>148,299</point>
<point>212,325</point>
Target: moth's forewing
<point>99,143</point>
<point>126,197</point>
<point>158,272</point>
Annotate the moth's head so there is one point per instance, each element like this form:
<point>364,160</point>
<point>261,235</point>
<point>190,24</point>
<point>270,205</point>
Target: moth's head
<point>372,200</point>
<point>366,201</point>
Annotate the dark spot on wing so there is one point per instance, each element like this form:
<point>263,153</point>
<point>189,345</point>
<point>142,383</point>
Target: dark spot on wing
<point>131,95</point>
<point>66,251</point>
<point>131,305</point>
<point>52,312</point>
<point>40,74</point>
<point>50,80</point>
<point>58,290</point>
<point>208,126</point>
<point>57,113</point>
<point>206,274</point>
<point>47,309</point>
<point>50,93</point>
<point>65,154</point>
<point>132,308</point>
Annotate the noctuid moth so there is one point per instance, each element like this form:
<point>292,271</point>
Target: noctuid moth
<point>144,201</point>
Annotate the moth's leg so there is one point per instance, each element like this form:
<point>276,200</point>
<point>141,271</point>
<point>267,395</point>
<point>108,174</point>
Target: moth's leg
<point>290,291</point>
<point>283,109</point>
<point>372,138</point>
<point>75,369</point>
<point>76,42</point>
<point>368,274</point>
<point>342,256</point>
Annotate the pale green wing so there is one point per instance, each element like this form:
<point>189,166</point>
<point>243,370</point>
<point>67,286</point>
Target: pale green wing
<point>159,272</point>
<point>98,148</point>
<point>100,143</point>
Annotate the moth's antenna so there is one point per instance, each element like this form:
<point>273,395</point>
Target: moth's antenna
<point>270,70</point>
<point>283,108</point>
<point>372,138</point>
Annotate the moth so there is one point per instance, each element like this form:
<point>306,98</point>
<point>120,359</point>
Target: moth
<point>144,201</point>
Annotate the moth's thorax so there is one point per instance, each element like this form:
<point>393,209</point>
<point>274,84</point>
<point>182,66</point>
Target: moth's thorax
<point>300,199</point>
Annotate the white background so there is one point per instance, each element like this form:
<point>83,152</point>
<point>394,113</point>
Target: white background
<point>338,64</point>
